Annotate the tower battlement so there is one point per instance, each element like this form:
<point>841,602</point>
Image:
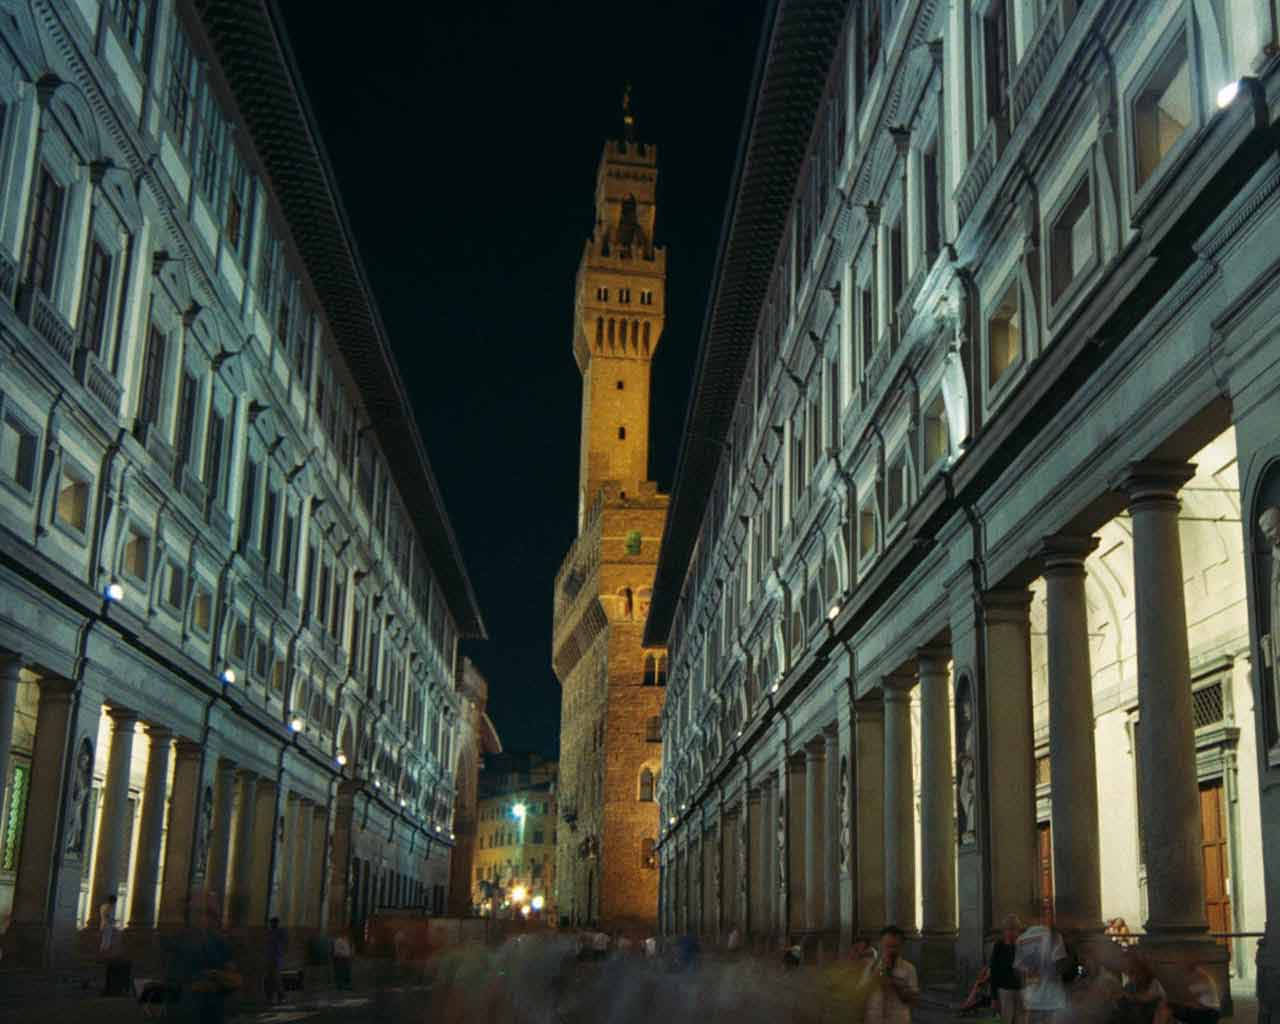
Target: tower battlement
<point>622,151</point>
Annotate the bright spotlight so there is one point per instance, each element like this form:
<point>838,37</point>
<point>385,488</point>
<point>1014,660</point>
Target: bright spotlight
<point>518,894</point>
<point>525,910</point>
<point>835,610</point>
<point>229,676</point>
<point>1227,94</point>
<point>519,810</point>
<point>538,903</point>
<point>114,592</point>
<point>295,724</point>
<point>341,759</point>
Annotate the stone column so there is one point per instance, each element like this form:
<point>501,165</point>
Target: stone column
<point>341,901</point>
<point>301,895</point>
<point>146,874</point>
<point>869,879</point>
<point>937,827</point>
<point>730,910</point>
<point>831,844</point>
<point>316,892</point>
<point>187,844</point>
<point>113,855</point>
<point>899,805</point>
<point>10,676</point>
<point>794,913</point>
<point>1002,712</point>
<point>240,868</point>
<point>754,923</point>
<point>266,841</point>
<point>1168,786</point>
<point>220,837</point>
<point>1072,760</point>
<point>815,834</point>
<point>289,804</point>
<point>52,860</point>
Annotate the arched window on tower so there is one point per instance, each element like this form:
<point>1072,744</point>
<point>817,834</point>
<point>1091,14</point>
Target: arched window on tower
<point>650,670</point>
<point>645,335</point>
<point>599,333</point>
<point>662,670</point>
<point>646,786</point>
<point>611,330</point>
<point>635,334</point>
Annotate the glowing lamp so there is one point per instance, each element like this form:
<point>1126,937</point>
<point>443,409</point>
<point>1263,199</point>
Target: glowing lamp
<point>518,894</point>
<point>229,676</point>
<point>341,759</point>
<point>1227,94</point>
<point>295,724</point>
<point>538,903</point>
<point>114,591</point>
<point>519,810</point>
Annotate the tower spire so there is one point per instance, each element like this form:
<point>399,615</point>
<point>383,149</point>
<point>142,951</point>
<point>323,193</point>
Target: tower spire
<point>628,118</point>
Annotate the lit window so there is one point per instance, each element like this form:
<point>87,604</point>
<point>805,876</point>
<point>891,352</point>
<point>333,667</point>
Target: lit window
<point>202,611</point>
<point>1162,111</point>
<point>73,501</point>
<point>937,442</point>
<point>175,586</point>
<point>1004,336</point>
<point>137,555</point>
<point>1072,243</point>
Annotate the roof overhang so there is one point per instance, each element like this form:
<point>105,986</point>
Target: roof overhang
<point>796,50</point>
<point>253,51</point>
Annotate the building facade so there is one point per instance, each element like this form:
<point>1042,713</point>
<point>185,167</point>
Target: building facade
<point>229,648</point>
<point>611,683</point>
<point>969,580</point>
<point>516,833</point>
<point>477,739</point>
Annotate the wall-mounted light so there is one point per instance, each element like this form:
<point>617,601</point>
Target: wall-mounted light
<point>228,676</point>
<point>341,759</point>
<point>296,724</point>
<point>835,610</point>
<point>1227,94</point>
<point>114,591</point>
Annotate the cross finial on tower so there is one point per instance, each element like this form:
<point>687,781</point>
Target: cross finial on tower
<point>628,118</point>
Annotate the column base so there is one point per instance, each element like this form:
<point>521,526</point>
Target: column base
<point>1172,953</point>
<point>936,957</point>
<point>40,946</point>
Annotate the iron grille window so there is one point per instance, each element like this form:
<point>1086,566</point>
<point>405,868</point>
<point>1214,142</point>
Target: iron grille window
<point>97,278</point>
<point>132,19</point>
<point>1207,706</point>
<point>43,235</point>
<point>152,377</point>
<point>181,87</point>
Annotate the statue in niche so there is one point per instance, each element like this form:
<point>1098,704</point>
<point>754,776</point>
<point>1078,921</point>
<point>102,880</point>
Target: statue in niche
<point>966,764</point>
<point>846,823</point>
<point>81,790</point>
<point>1269,523</point>
<point>201,858</point>
<point>782,844</point>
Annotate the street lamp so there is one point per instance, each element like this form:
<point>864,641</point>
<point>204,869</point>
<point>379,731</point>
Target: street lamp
<point>295,724</point>
<point>114,591</point>
<point>341,759</point>
<point>519,811</point>
<point>518,894</point>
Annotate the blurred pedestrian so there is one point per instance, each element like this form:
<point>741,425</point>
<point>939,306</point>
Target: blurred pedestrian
<point>342,962</point>
<point>276,943</point>
<point>897,986</point>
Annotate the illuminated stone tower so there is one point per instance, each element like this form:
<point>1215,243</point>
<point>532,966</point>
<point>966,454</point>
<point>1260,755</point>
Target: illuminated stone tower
<point>611,686</point>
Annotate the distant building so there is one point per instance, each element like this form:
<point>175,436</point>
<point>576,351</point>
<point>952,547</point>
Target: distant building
<point>971,577</point>
<point>230,596</point>
<point>611,683</point>
<point>515,858</point>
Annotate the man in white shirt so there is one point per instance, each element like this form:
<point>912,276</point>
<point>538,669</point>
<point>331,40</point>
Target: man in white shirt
<point>1040,957</point>
<point>896,985</point>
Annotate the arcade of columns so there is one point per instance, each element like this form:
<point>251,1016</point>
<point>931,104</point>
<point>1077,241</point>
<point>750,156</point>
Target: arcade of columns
<point>819,841</point>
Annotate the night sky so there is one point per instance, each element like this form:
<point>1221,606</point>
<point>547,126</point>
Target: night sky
<point>465,139</point>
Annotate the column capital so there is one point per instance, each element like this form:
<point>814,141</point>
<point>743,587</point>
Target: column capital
<point>1063,555</point>
<point>187,750</point>
<point>1011,605</point>
<point>122,718</point>
<point>11,666</point>
<point>897,686</point>
<point>816,749</point>
<point>1155,481</point>
<point>158,733</point>
<point>932,660</point>
<point>868,709</point>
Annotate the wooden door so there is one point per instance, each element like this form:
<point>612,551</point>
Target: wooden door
<point>1044,837</point>
<point>1217,899</point>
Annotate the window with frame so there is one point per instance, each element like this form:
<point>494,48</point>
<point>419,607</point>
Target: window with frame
<point>248,501</point>
<point>339,608</point>
<point>937,440</point>
<point>897,265</point>
<point>1071,243</point>
<point>866,531</point>
<point>996,47</point>
<point>270,513</point>
<point>322,596</point>
<point>44,232</point>
<point>208,151</point>
<point>18,443</point>
<point>1004,335</point>
<point>188,393</point>
<point>215,440</point>
<point>235,218</point>
<point>132,19</point>
<point>181,84</point>
<point>277,676</point>
<point>202,610</point>
<point>136,559</point>
<point>931,199</point>
<point>71,507</point>
<point>239,646</point>
<point>287,540</point>
<point>261,658</point>
<point>896,487</point>
<point>153,360</point>
<point>97,285</point>
<point>175,586</point>
<point>867,306</point>
<point>1163,111</point>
